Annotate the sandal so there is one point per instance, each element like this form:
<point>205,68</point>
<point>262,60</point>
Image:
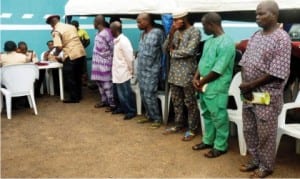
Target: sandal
<point>172,130</point>
<point>249,166</point>
<point>260,173</point>
<point>213,153</point>
<point>201,146</point>
<point>101,105</point>
<point>188,136</point>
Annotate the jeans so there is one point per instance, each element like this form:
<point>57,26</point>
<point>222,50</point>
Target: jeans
<point>126,98</point>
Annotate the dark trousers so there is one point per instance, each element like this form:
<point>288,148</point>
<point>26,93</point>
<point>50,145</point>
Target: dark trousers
<point>72,70</point>
<point>126,98</point>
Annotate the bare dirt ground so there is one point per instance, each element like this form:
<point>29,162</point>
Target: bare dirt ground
<point>77,140</point>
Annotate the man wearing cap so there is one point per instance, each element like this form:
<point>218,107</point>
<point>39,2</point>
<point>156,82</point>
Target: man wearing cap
<point>182,43</point>
<point>66,39</point>
<point>215,71</point>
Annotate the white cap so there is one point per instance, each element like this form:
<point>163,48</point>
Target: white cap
<point>179,13</point>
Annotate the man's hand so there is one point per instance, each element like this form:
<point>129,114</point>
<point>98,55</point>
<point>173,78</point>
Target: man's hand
<point>197,85</point>
<point>246,91</point>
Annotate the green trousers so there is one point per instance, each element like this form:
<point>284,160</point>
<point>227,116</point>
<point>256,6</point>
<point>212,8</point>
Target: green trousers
<point>214,112</point>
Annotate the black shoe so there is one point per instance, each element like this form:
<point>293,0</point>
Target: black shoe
<point>214,153</point>
<point>201,146</point>
<point>117,111</point>
<point>70,101</point>
<point>129,116</point>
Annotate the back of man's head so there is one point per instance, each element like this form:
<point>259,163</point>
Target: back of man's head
<point>213,18</point>
<point>75,23</point>
<point>10,46</point>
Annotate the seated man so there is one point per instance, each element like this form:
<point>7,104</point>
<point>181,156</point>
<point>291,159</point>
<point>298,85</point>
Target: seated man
<point>11,57</point>
<point>30,55</point>
<point>49,55</point>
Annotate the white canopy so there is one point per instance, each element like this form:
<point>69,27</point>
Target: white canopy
<point>230,9</point>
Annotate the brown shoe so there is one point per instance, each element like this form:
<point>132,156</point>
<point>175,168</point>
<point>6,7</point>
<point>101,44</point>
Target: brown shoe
<point>260,173</point>
<point>249,166</point>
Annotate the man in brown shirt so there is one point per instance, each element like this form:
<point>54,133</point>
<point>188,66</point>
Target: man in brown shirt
<point>66,39</point>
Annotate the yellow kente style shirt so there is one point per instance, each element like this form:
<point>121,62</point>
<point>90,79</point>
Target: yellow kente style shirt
<point>83,35</point>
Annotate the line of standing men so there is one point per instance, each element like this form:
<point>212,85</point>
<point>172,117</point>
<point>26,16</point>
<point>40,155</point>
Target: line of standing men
<point>265,68</point>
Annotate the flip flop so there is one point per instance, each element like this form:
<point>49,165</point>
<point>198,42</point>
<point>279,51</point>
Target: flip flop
<point>172,130</point>
<point>188,136</point>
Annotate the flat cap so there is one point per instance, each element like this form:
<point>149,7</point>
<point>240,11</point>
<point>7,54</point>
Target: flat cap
<point>50,17</point>
<point>179,14</point>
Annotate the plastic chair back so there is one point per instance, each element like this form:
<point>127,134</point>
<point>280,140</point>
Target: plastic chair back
<point>19,79</point>
<point>235,91</point>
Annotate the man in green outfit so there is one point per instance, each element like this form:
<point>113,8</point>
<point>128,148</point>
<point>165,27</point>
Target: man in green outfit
<point>214,70</point>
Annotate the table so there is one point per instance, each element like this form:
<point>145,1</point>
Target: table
<point>48,66</point>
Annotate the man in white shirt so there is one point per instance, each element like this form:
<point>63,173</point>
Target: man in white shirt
<point>122,70</point>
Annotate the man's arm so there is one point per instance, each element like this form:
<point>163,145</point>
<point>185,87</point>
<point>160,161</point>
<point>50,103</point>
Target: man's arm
<point>248,87</point>
<point>190,49</point>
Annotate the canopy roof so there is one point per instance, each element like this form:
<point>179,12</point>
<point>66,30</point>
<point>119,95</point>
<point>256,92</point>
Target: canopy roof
<point>242,10</point>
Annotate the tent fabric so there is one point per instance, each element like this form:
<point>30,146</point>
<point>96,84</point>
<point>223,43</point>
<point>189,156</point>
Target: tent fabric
<point>242,10</point>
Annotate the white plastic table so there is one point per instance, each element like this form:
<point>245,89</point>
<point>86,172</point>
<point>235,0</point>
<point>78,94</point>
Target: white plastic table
<point>53,65</point>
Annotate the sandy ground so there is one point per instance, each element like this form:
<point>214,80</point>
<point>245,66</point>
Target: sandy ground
<point>77,140</point>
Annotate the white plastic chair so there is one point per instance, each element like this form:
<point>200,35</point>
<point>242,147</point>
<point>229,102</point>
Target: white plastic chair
<point>235,115</point>
<point>292,130</point>
<point>19,81</point>
<point>162,97</point>
<point>136,89</point>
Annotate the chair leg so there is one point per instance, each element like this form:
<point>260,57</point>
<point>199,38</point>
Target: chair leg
<point>241,138</point>
<point>138,101</point>
<point>33,103</point>
<point>162,102</point>
<point>278,138</point>
<point>8,106</point>
<point>297,146</point>
<point>29,101</point>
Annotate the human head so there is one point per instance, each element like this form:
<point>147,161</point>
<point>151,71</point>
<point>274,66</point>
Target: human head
<point>99,22</point>
<point>10,46</point>
<point>22,46</point>
<point>50,44</point>
<point>53,20</point>
<point>211,23</point>
<point>267,14</point>
<point>144,21</point>
<point>75,23</point>
<point>116,28</point>
<point>180,19</point>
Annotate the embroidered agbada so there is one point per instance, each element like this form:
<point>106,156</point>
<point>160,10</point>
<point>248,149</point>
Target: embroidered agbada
<point>183,65</point>
<point>148,69</point>
<point>102,56</point>
<point>265,54</point>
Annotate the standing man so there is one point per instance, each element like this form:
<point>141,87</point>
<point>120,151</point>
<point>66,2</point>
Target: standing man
<point>265,68</point>
<point>85,40</point>
<point>102,63</point>
<point>148,68</point>
<point>182,44</point>
<point>122,70</point>
<point>214,70</point>
<point>65,38</point>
